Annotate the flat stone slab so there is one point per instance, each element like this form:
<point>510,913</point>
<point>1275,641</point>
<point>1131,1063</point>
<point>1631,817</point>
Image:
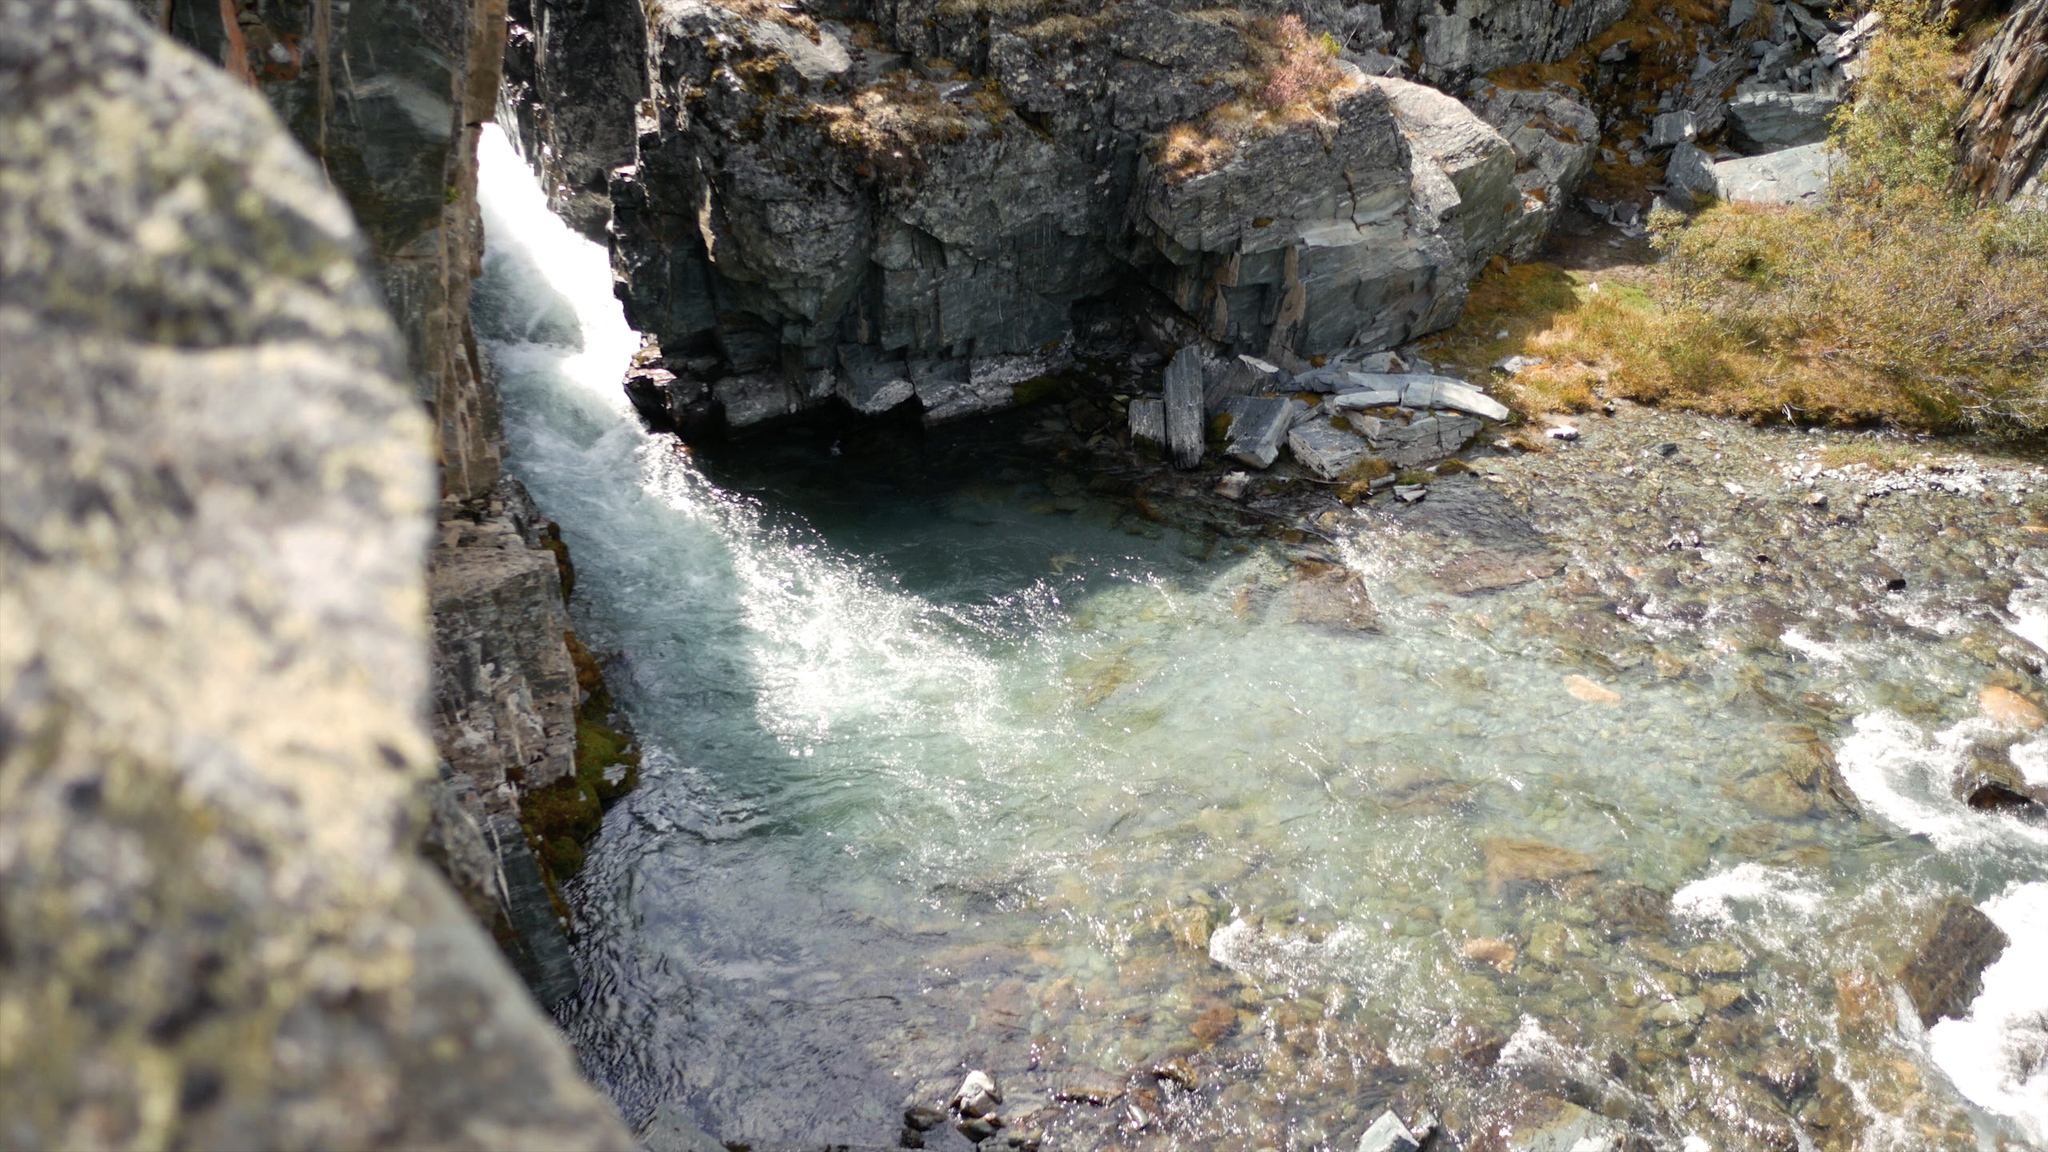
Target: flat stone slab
<point>1764,122</point>
<point>1148,419</point>
<point>1422,390</point>
<point>1325,450</point>
<point>1363,398</point>
<point>1424,440</point>
<point>1793,176</point>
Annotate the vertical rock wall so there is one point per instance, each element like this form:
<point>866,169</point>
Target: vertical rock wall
<point>390,99</point>
<point>215,492</point>
<point>2004,129</point>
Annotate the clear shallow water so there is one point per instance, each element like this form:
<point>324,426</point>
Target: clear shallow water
<point>950,764</point>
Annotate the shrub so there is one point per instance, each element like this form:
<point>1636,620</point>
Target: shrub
<point>1293,78</point>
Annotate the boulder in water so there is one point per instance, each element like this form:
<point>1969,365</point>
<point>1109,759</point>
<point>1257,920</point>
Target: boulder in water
<point>1510,861</point>
<point>1946,971</point>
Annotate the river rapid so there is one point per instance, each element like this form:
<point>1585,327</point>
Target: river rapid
<point>956,758</point>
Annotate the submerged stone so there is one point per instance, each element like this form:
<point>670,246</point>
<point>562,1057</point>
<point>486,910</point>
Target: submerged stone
<point>1947,969</point>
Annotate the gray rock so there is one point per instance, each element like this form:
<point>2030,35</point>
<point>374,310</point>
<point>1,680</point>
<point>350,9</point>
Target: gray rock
<point>1690,172</point>
<point>1553,138</point>
<point>1388,1134</point>
<point>1792,176</point>
<point>1946,970</point>
<point>977,1095</point>
<point>1516,365</point>
<point>1670,129</point>
<point>1325,450</point>
<point>1183,398</point>
<point>216,490</point>
<point>1421,391</point>
<point>2004,127</point>
<point>1258,427</point>
<point>1148,420</point>
<point>1761,122</point>
<point>1740,12</point>
<point>669,1128</point>
<point>1361,398</point>
<point>1423,440</point>
<point>1238,376</point>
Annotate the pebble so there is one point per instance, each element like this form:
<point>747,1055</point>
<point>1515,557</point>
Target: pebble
<point>1564,432</point>
<point>977,1095</point>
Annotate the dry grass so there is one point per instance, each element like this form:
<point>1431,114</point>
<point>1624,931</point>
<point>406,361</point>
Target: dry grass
<point>1292,77</point>
<point>893,122</point>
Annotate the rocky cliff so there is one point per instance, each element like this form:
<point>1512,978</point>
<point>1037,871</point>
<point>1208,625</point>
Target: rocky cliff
<point>2004,129</point>
<point>389,99</point>
<point>925,205</point>
<point>216,488</point>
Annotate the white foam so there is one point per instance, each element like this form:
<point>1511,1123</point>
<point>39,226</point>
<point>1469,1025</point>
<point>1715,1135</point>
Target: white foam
<point>2029,608</point>
<point>1903,775</point>
<point>516,212</point>
<point>1717,897</point>
<point>1998,1055</point>
<point>1813,649</point>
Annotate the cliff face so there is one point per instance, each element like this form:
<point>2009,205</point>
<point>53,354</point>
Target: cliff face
<point>215,490</point>
<point>2004,129</point>
<point>916,201</point>
<point>390,99</point>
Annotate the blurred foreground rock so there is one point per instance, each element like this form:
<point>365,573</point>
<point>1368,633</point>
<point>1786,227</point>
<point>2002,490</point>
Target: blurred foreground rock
<point>215,495</point>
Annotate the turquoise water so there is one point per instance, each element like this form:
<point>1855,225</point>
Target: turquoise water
<point>952,764</point>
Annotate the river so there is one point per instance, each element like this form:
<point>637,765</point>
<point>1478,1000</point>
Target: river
<point>952,763</point>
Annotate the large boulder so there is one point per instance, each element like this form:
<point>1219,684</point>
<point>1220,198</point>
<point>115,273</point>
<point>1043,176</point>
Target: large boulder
<point>1765,121</point>
<point>216,488</point>
<point>1791,177</point>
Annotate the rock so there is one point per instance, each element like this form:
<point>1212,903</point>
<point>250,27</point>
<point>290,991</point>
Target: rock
<point>1740,12</point>
<point>1760,122</point>
<point>1259,426</point>
<point>1415,442</point>
<point>1590,692</point>
<point>218,491</point>
<point>1148,420</point>
<point>1945,972</point>
<point>1552,1125</point>
<point>1239,376</point>
<point>1099,1090</point>
<point>1516,365</point>
<point>1184,408</point>
<point>2004,127</point>
<point>977,1095</point>
<point>1793,176</point>
<point>1788,1071</point>
<point>1498,954</point>
<point>922,1117</point>
<point>1682,1011</point>
<point>1513,861</point>
<point>1691,171</point>
<point>1337,600</point>
<point>1361,398</point>
<point>1561,432</point>
<point>1411,493</point>
<point>1989,782</point>
<point>2008,709</point>
<point>1553,137</point>
<point>1388,1134</point>
<point>1456,42</point>
<point>1491,569</point>
<point>1325,450</point>
<point>1671,129</point>
<point>1232,485</point>
<point>978,1128</point>
<point>1177,1071</point>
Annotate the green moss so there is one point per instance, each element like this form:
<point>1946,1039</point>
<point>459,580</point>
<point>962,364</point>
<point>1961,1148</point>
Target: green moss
<point>1413,477</point>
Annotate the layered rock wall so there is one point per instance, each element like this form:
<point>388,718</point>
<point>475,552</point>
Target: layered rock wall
<point>918,205</point>
<point>2004,128</point>
<point>216,486</point>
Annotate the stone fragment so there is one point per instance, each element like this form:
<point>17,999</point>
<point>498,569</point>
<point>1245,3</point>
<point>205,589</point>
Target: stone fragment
<point>1183,399</point>
<point>1491,569</point>
<point>1683,1010</point>
<point>1591,693</point>
<point>1259,426</point>
<point>1148,420</point>
<point>2009,709</point>
<point>1325,450</point>
<point>1740,12</point>
<point>1098,1089</point>
<point>1388,1134</point>
<point>1510,861</point>
<point>1486,950</point>
<point>1232,485</point>
<point>1360,399</point>
<point>872,385</point>
<point>1671,129</point>
<point>977,1095</point>
<point>1946,971</point>
<point>1516,365</point>
<point>1335,599</point>
<point>1239,376</point>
